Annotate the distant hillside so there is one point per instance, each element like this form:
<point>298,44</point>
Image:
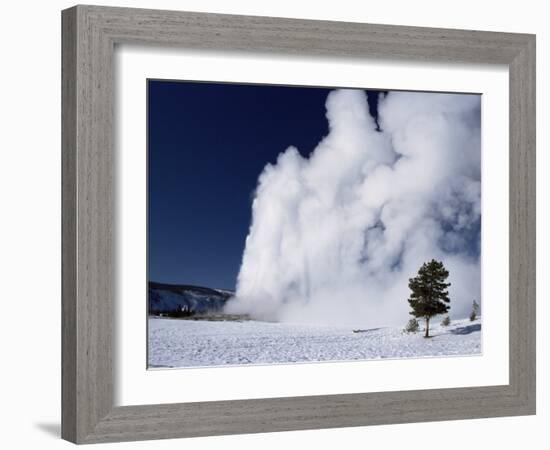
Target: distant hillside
<point>169,298</point>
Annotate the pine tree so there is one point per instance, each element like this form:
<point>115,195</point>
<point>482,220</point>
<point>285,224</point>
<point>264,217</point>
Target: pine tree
<point>429,296</point>
<point>412,326</point>
<point>475,309</point>
<point>446,321</point>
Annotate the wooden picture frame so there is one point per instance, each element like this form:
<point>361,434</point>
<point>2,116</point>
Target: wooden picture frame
<point>89,37</point>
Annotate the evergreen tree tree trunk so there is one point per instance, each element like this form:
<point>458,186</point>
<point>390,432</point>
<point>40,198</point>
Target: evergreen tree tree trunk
<point>427,327</point>
<point>429,296</point>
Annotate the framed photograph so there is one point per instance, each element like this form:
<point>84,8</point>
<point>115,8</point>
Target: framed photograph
<point>278,224</point>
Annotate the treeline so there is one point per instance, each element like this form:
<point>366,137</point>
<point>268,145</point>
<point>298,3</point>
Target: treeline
<point>179,313</point>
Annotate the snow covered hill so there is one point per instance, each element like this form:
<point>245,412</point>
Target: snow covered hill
<point>188,343</point>
<point>165,298</point>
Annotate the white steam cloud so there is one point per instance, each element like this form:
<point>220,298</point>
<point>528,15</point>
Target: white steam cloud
<point>336,236</point>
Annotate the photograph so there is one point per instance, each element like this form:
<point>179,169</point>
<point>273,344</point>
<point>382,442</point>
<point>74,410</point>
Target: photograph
<point>309,224</point>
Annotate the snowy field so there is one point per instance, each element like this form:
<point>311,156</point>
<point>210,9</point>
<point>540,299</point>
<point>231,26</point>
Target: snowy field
<point>189,343</point>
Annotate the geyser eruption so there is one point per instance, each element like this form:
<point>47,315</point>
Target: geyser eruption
<point>335,236</point>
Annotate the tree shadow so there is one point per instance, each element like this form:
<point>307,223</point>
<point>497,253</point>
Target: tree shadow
<point>366,330</point>
<point>467,329</point>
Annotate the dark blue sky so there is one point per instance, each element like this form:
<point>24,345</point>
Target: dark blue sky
<point>207,145</point>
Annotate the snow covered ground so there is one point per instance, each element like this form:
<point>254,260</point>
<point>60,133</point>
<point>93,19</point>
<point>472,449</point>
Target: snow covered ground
<point>189,343</point>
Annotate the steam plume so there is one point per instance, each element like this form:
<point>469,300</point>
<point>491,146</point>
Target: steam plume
<point>334,237</point>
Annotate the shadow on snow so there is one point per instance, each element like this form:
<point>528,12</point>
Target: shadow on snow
<point>467,329</point>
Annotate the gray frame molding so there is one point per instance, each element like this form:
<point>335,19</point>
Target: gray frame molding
<point>89,36</point>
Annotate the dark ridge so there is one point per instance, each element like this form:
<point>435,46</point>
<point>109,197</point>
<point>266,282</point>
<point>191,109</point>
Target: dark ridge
<point>184,300</point>
<point>179,288</point>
